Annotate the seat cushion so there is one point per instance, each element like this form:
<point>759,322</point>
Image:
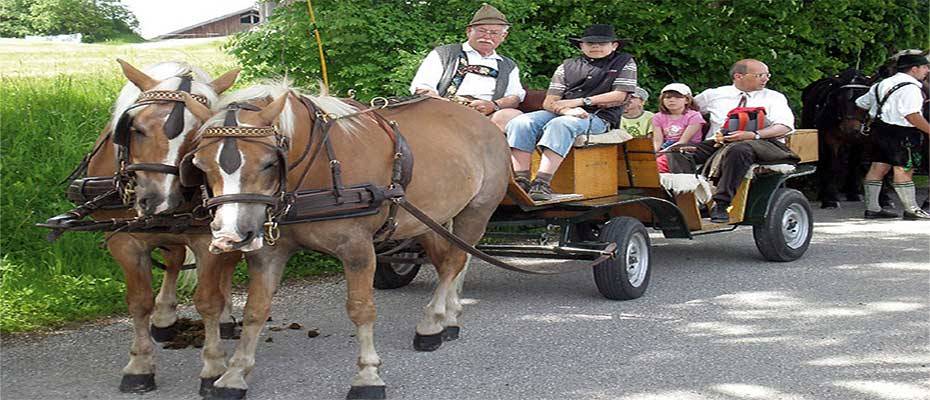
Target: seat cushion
<point>613,136</point>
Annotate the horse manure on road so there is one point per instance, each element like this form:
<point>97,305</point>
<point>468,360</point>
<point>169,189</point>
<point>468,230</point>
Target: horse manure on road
<point>313,332</point>
<point>294,325</point>
<point>189,333</point>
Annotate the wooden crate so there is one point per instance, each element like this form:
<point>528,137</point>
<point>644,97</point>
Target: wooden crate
<point>589,171</point>
<point>638,162</point>
<point>803,142</point>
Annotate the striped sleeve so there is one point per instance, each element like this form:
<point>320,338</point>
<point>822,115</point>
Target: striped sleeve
<point>557,85</point>
<point>626,81</point>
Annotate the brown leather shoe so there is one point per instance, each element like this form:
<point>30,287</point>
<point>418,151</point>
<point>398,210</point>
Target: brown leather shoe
<point>540,191</point>
<point>523,183</point>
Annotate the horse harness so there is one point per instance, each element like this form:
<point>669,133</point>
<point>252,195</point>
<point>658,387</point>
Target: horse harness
<point>298,206</point>
<point>174,125</point>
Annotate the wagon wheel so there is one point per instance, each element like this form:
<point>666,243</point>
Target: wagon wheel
<point>786,232</point>
<point>626,276</point>
<point>393,275</point>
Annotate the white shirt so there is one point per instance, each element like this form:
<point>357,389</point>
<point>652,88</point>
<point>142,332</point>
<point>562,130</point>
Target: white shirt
<point>719,101</point>
<point>904,101</point>
<point>481,87</point>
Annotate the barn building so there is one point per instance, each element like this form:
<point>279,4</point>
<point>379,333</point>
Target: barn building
<point>225,25</point>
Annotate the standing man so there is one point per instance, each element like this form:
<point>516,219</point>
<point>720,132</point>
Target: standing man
<point>741,148</point>
<point>474,70</point>
<point>898,131</point>
<point>584,96</point>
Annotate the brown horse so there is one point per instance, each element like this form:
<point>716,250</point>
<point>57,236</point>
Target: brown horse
<point>149,131</point>
<point>460,175</point>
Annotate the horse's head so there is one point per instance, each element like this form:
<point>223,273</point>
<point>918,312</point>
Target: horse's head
<point>242,161</point>
<point>153,127</point>
<point>830,103</point>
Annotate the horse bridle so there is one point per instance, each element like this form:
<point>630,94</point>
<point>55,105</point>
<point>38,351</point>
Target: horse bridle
<point>174,125</point>
<point>278,204</point>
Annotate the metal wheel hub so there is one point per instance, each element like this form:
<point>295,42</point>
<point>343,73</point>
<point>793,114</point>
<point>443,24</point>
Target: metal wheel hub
<point>637,260</point>
<point>795,226</point>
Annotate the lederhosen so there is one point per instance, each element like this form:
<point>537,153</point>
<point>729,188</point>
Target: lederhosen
<point>895,145</point>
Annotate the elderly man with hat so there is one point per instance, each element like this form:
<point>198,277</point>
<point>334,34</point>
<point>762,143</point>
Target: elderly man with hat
<point>584,96</point>
<point>898,131</point>
<point>473,70</point>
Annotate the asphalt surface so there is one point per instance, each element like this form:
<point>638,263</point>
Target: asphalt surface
<point>847,321</point>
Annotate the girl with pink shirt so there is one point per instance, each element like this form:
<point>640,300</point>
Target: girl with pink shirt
<point>677,122</point>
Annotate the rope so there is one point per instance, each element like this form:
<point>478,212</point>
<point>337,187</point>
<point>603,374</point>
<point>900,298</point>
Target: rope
<point>319,42</point>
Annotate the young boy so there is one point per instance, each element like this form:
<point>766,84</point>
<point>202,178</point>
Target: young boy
<point>636,121</point>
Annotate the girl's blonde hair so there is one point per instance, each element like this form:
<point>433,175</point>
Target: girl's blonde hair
<point>671,93</point>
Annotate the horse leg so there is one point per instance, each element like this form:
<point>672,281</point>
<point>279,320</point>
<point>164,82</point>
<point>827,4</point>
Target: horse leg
<point>165,316</point>
<point>830,165</point>
<point>229,329</point>
<point>210,298</point>
<point>133,257</point>
<point>265,271</point>
<point>358,260</point>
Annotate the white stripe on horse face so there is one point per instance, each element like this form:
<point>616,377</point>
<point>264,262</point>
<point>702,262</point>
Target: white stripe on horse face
<point>228,214</point>
<point>173,158</point>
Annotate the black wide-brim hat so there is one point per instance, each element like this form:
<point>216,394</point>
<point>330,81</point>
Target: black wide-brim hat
<point>912,60</point>
<point>597,33</point>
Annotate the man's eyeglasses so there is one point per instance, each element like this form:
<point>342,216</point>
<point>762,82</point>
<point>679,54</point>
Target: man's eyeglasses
<point>761,75</point>
<point>483,32</point>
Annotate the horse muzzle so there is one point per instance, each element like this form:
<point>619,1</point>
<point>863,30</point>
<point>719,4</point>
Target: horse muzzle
<point>225,243</point>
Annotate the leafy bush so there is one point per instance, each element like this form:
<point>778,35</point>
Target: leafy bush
<point>376,46</point>
<point>97,20</point>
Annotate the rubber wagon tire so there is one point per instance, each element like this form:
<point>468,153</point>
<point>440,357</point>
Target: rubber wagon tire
<point>626,277</point>
<point>788,227</point>
<point>396,275</point>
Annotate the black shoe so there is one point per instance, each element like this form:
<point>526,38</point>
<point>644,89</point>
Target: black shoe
<point>916,214</point>
<point>880,214</point>
<point>719,213</point>
<point>523,183</point>
<point>540,191</point>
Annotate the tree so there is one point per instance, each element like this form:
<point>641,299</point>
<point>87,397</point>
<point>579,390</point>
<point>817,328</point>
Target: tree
<point>375,46</point>
<point>97,20</point>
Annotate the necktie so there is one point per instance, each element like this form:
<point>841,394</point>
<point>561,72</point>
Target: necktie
<point>742,99</point>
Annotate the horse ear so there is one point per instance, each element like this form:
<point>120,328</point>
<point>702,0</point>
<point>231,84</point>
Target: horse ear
<point>225,81</point>
<point>199,110</point>
<point>138,78</point>
<point>269,113</point>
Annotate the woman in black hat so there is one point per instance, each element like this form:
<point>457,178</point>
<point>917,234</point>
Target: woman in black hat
<point>585,96</point>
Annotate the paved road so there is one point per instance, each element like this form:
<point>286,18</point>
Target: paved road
<point>848,321</point>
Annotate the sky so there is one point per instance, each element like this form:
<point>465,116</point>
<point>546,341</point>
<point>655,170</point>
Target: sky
<point>162,16</point>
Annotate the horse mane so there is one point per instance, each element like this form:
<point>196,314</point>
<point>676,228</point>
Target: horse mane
<point>272,89</point>
<point>168,73</point>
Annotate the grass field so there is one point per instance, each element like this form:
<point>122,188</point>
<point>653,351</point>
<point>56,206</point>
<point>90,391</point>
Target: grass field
<point>55,100</point>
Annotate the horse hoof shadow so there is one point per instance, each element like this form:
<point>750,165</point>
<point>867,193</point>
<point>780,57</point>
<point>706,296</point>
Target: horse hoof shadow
<point>829,204</point>
<point>137,383</point>
<point>427,342</point>
<point>166,334</point>
<point>366,392</point>
<point>222,393</point>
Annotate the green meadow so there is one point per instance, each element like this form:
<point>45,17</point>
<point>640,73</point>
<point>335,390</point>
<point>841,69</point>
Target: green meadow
<point>54,100</point>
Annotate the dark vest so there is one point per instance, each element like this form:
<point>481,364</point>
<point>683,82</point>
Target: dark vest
<point>449,54</point>
<point>585,78</point>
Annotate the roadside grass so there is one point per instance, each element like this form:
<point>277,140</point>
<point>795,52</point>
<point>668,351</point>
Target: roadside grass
<point>56,98</point>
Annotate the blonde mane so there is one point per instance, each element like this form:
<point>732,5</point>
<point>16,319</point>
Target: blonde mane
<point>287,121</point>
<point>168,74</point>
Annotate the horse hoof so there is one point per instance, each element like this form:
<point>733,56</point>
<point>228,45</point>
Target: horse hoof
<point>450,333</point>
<point>141,383</point>
<point>829,204</point>
<point>165,334</point>
<point>228,330</point>
<point>366,392</point>
<point>427,342</point>
<point>206,386</point>
<point>221,393</point>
